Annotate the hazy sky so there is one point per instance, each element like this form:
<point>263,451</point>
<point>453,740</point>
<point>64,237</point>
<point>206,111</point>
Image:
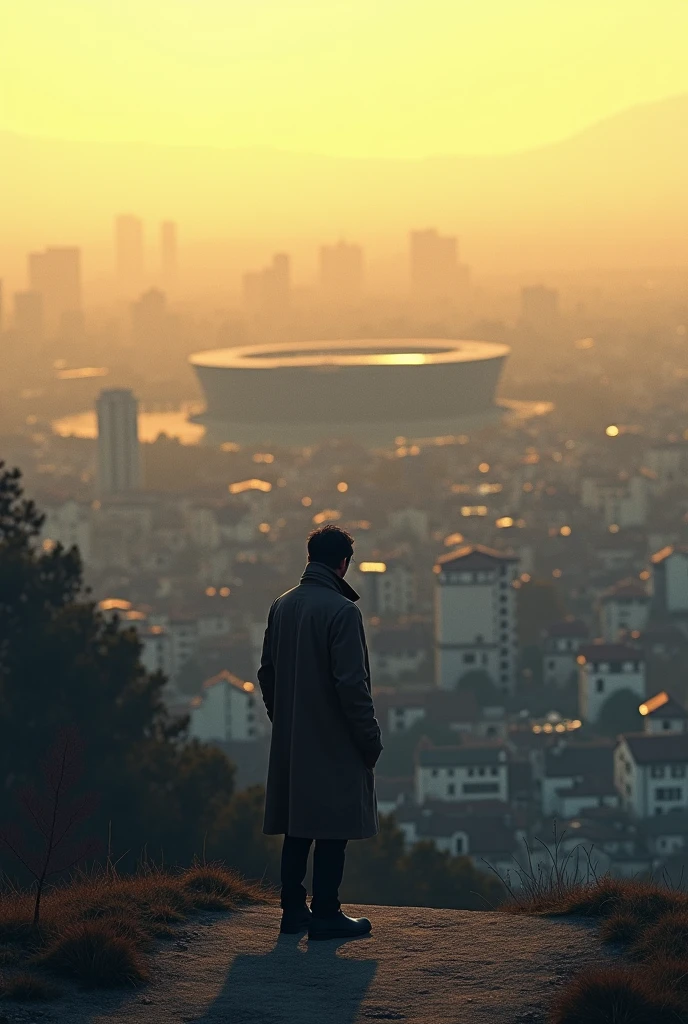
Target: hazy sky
<point>349,77</point>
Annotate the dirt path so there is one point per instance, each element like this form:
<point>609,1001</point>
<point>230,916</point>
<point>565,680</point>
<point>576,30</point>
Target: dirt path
<point>419,966</point>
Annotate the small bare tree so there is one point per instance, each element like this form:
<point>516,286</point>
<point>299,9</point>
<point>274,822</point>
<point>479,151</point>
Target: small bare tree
<point>53,815</point>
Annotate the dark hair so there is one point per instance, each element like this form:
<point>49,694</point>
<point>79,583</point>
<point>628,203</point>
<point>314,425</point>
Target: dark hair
<point>330,545</point>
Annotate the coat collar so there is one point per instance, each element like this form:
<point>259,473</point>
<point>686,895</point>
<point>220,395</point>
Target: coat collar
<point>321,575</point>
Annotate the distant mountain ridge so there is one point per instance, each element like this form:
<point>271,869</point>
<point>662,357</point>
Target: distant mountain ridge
<point>621,181</point>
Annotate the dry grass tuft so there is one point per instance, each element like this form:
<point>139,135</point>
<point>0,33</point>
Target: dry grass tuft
<point>615,996</point>
<point>96,954</point>
<point>26,988</point>
<point>99,928</point>
<point>622,927</point>
<point>666,938</point>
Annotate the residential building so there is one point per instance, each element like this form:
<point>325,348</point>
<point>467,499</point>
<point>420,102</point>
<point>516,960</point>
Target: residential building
<point>605,670</point>
<point>577,776</point>
<point>156,650</point>
<point>561,645</point>
<point>227,710</point>
<point>650,772</point>
<point>55,275</point>
<point>119,454</point>
<point>623,503</point>
<point>475,616</point>
<point>386,588</point>
<point>663,713</point>
<point>68,524</point>
<point>624,609</point>
<point>462,773</point>
<point>670,579</point>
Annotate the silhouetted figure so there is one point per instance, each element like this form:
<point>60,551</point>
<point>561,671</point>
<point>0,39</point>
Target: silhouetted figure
<point>315,681</point>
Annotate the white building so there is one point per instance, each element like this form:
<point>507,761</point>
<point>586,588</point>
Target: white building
<point>670,579</point>
<point>624,608</point>
<point>666,464</point>
<point>410,521</point>
<point>68,524</point>
<point>650,773</point>
<point>622,503</point>
<point>561,644</point>
<point>228,710</point>
<point>119,455</point>
<point>184,635</point>
<point>604,670</point>
<point>662,714</point>
<point>203,527</point>
<point>462,774</point>
<point>386,588</point>
<point>475,616</point>
<point>156,652</point>
<point>577,776</point>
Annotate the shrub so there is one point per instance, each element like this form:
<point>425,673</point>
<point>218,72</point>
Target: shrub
<point>615,996</point>
<point>96,954</point>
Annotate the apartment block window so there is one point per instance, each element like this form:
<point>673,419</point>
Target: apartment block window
<point>657,771</point>
<point>678,771</point>
<point>469,659</point>
<point>669,793</point>
<point>599,685</point>
<point>458,845</point>
<point>434,773</point>
<point>451,789</point>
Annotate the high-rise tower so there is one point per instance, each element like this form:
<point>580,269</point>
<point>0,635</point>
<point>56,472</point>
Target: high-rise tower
<point>119,453</point>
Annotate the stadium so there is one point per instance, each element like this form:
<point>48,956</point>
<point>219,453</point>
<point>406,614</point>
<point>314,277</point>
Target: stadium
<point>369,390</point>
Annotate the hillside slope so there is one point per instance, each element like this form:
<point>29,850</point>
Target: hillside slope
<point>419,966</point>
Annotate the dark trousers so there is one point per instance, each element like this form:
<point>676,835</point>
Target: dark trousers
<point>328,869</point>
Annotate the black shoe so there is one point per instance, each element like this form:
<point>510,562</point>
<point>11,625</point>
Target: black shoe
<point>294,921</point>
<point>338,926</point>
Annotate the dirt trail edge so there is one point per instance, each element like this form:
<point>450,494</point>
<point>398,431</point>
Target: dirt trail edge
<point>420,966</point>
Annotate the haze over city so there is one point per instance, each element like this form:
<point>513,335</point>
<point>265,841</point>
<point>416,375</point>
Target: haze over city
<point>411,281</point>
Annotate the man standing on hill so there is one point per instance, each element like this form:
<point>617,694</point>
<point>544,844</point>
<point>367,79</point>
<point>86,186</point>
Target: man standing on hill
<point>315,681</point>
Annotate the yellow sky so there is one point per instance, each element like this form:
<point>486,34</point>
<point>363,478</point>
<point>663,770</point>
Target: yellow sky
<point>349,77</point>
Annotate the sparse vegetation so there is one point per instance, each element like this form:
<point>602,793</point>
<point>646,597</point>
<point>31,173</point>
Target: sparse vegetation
<point>100,928</point>
<point>647,919</point>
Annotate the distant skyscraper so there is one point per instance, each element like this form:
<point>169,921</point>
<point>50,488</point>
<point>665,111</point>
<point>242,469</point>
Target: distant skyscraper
<point>168,253</point>
<point>28,315</point>
<point>539,306</point>
<point>129,253</point>
<point>435,269</point>
<point>119,454</point>
<point>341,271</point>
<point>267,291</point>
<point>55,275</point>
<point>149,316</point>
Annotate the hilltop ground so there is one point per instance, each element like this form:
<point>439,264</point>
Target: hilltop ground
<point>420,966</point>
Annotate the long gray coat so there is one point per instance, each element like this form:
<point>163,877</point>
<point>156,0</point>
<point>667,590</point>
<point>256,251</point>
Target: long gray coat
<point>315,681</point>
